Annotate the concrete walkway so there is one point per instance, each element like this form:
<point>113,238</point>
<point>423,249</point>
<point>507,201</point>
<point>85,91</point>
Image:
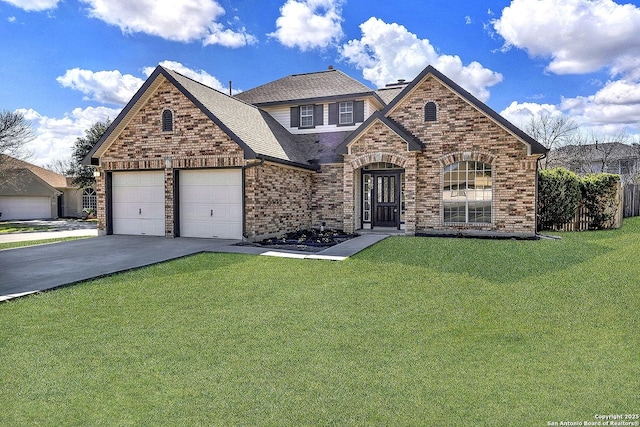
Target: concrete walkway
<point>24,271</point>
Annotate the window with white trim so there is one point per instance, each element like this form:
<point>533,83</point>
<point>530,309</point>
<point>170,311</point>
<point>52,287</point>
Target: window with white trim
<point>89,199</point>
<point>345,113</point>
<point>467,193</point>
<point>306,116</point>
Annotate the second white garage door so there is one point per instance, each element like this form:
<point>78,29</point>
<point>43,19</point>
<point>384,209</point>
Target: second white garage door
<point>138,203</point>
<point>211,203</point>
<point>22,207</point>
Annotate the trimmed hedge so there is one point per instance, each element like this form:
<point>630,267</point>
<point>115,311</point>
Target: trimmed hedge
<point>599,197</point>
<point>558,197</point>
<point>562,192</point>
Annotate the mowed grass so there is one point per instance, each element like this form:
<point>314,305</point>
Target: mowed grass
<point>22,244</point>
<point>413,331</point>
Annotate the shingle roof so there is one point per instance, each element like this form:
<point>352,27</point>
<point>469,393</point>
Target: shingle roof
<point>53,179</point>
<point>318,85</point>
<point>255,131</point>
<point>250,126</point>
<point>609,150</point>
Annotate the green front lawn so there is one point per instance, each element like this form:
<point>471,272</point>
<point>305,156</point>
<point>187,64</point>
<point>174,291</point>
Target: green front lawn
<point>12,227</point>
<point>413,331</point>
<point>13,245</point>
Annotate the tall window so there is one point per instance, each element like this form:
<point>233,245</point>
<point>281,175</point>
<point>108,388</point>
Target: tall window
<point>430,112</point>
<point>89,199</point>
<point>468,193</point>
<point>306,116</point>
<point>346,113</point>
<point>167,121</point>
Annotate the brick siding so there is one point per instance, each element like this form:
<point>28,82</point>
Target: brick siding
<point>278,199</point>
<point>461,132</point>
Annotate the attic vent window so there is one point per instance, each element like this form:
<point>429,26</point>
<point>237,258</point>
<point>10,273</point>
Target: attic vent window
<point>167,121</point>
<point>430,112</point>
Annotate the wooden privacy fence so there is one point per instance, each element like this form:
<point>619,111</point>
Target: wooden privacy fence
<point>631,200</point>
<point>582,220</point>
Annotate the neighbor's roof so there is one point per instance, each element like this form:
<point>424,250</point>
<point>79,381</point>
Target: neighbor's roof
<point>251,128</point>
<point>53,179</point>
<point>610,150</point>
<point>301,87</point>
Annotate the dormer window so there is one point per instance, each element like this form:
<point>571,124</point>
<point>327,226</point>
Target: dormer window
<point>345,113</point>
<point>430,112</point>
<point>306,116</point>
<point>167,121</point>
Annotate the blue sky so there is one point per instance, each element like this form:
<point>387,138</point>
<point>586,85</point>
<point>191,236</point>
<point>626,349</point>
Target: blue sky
<point>69,63</point>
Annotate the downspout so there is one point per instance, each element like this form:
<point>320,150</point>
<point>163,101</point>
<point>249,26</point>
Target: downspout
<point>537,192</point>
<point>244,194</point>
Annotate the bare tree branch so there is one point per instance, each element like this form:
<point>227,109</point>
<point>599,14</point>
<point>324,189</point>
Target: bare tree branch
<point>553,132</point>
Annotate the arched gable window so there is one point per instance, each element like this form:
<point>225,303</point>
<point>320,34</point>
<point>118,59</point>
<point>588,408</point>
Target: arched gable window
<point>430,112</point>
<point>467,193</point>
<point>167,121</point>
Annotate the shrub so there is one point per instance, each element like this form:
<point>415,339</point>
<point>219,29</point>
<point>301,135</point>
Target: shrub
<point>599,197</point>
<point>558,197</point>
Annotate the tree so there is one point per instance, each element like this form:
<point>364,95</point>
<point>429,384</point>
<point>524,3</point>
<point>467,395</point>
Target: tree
<point>15,132</point>
<point>83,175</point>
<point>552,132</point>
<point>61,166</point>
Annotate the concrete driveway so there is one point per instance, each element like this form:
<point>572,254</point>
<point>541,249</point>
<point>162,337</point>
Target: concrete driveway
<point>36,268</point>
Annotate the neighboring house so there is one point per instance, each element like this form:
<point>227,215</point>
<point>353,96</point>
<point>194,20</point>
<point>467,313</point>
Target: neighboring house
<point>28,191</point>
<point>610,157</point>
<point>425,156</point>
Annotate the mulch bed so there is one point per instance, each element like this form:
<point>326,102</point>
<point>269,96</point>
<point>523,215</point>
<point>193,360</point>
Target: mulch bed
<point>304,240</point>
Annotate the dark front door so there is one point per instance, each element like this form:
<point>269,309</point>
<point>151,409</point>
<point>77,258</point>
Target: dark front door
<point>386,200</point>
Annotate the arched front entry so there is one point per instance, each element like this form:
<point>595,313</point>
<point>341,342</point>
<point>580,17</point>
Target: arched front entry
<point>382,196</point>
<point>379,191</point>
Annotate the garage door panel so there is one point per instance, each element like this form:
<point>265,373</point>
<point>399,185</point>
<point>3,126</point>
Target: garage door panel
<point>138,205</point>
<point>19,207</point>
<point>211,203</point>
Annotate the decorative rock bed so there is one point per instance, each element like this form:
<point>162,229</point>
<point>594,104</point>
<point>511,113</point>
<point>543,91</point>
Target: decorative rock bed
<point>305,240</point>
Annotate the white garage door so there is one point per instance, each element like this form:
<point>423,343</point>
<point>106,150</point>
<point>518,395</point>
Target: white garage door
<point>211,203</point>
<point>138,203</point>
<point>21,207</point>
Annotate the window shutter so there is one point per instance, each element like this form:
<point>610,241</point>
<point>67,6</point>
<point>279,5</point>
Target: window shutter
<point>318,115</point>
<point>295,117</point>
<point>430,112</point>
<point>358,107</point>
<point>333,114</point>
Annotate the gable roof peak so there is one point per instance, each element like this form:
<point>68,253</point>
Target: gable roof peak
<point>535,146</point>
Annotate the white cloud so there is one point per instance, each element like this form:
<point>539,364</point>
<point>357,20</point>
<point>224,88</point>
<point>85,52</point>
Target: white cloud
<point>309,24</point>
<point>612,109</point>
<point>388,52</point>
<point>55,136</point>
<point>33,5</point>
<point>11,19</point>
<point>183,21</point>
<point>521,113</point>
<point>197,75</point>
<point>579,36</point>
<point>110,87</point>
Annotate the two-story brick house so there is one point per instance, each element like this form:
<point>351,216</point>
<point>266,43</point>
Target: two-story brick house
<point>425,156</point>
